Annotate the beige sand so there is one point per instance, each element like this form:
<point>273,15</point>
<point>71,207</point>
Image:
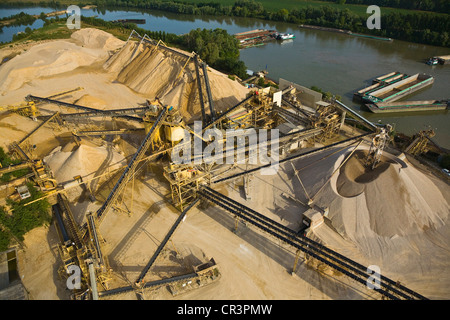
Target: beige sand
<point>397,220</point>
<point>158,74</point>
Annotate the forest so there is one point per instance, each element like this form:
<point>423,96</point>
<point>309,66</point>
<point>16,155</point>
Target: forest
<point>427,22</point>
<point>417,26</point>
<point>425,5</point>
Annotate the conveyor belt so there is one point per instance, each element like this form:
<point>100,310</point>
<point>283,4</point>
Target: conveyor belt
<point>15,167</point>
<point>208,92</point>
<point>291,115</point>
<point>306,113</point>
<point>107,132</point>
<point>106,113</point>
<point>121,183</point>
<point>354,270</point>
<point>301,134</point>
<point>222,116</point>
<point>147,285</point>
<point>294,156</point>
<point>70,221</point>
<point>354,114</point>
<point>154,43</point>
<point>88,111</point>
<point>38,127</point>
<point>60,103</point>
<point>57,213</point>
<point>164,242</point>
<point>20,151</point>
<point>93,231</point>
<point>200,91</point>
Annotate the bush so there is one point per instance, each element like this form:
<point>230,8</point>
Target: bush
<point>218,48</point>
<point>24,218</point>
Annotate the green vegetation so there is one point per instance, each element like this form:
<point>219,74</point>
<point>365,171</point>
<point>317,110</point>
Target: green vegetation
<point>402,21</point>
<point>414,26</point>
<point>218,48</point>
<point>5,161</point>
<point>425,5</point>
<point>326,96</point>
<point>23,218</point>
<point>19,19</point>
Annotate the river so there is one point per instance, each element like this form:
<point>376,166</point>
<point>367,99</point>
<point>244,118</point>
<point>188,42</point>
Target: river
<point>338,63</point>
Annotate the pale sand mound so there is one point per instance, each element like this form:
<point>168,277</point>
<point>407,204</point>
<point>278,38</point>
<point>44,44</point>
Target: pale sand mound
<point>400,221</point>
<point>118,61</point>
<point>399,201</point>
<point>44,60</point>
<point>86,161</point>
<point>97,39</point>
<point>156,73</point>
<point>56,57</point>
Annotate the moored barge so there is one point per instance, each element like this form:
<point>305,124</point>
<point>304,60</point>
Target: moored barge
<point>406,106</point>
<point>393,90</point>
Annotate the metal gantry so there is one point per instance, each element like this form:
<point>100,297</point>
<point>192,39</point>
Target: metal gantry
<point>84,246</point>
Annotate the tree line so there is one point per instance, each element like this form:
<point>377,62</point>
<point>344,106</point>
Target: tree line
<point>442,6</point>
<point>419,27</point>
<point>216,47</point>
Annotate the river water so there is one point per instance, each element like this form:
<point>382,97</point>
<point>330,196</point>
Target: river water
<point>338,63</point>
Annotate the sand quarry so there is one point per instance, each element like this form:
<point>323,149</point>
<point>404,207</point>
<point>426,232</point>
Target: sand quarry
<point>396,217</point>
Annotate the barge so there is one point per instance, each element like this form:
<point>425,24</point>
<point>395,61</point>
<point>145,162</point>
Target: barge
<point>255,37</point>
<point>136,21</point>
<point>348,32</point>
<point>406,106</point>
<point>379,83</point>
<point>394,89</point>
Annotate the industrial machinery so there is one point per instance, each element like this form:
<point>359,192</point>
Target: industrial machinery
<point>82,246</point>
<point>420,142</point>
<point>379,142</point>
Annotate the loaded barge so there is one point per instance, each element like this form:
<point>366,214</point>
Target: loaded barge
<point>256,37</point>
<point>392,87</point>
<point>403,106</point>
<point>136,21</point>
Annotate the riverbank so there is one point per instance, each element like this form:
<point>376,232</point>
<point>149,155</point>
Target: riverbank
<point>317,58</point>
<point>344,32</point>
<point>409,25</point>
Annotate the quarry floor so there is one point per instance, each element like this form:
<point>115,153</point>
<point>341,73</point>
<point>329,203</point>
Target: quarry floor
<point>398,220</point>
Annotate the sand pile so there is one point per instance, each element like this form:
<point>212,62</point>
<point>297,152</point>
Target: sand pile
<point>120,60</point>
<point>56,57</point>
<point>398,201</point>
<point>86,160</point>
<point>156,73</point>
<point>97,39</point>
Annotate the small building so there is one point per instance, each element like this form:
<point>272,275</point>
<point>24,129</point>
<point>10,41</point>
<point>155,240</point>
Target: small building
<point>23,191</point>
